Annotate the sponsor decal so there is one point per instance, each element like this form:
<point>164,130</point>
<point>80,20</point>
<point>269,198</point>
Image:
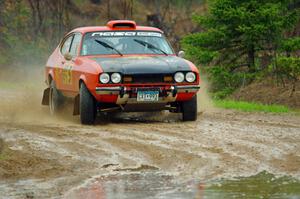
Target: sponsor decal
<point>56,73</point>
<point>126,34</point>
<point>67,75</point>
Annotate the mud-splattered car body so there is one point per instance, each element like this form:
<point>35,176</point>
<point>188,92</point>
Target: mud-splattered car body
<point>120,67</point>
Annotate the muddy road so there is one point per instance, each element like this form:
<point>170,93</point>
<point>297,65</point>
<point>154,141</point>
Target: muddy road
<point>146,155</point>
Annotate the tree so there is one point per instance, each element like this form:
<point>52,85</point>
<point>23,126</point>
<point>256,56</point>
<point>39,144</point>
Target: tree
<point>290,67</point>
<point>236,31</point>
<point>127,8</point>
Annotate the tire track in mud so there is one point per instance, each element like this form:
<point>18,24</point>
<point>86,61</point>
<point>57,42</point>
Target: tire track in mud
<point>220,144</point>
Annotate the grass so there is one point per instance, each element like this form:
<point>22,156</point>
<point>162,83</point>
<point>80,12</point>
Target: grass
<point>251,106</point>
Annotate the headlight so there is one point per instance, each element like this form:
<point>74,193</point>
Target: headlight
<point>116,78</point>
<point>179,77</point>
<point>190,77</point>
<point>104,78</point>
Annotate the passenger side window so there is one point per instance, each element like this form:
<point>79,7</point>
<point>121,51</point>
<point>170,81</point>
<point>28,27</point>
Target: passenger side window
<point>66,46</point>
<point>75,45</point>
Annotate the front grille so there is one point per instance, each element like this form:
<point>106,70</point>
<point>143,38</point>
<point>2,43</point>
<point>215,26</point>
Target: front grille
<point>148,78</point>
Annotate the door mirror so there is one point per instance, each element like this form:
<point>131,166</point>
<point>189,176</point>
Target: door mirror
<point>68,56</point>
<point>181,54</point>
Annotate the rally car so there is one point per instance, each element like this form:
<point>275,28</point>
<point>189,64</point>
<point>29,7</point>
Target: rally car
<point>120,67</point>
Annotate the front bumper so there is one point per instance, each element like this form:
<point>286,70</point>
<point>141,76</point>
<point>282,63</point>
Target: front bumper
<point>128,94</point>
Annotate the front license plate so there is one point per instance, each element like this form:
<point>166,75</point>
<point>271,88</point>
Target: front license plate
<point>147,96</point>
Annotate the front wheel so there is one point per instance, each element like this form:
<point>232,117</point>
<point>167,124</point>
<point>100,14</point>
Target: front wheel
<point>87,105</point>
<point>189,109</point>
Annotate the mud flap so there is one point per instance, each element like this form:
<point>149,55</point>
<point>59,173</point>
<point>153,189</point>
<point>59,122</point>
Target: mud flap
<point>45,100</point>
<point>76,105</point>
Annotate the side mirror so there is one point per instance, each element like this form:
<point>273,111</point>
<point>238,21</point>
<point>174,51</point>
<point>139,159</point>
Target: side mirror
<point>68,56</point>
<point>181,54</point>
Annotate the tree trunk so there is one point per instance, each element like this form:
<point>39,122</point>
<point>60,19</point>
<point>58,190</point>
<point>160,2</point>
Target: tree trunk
<point>131,9</point>
<point>108,9</point>
<point>251,59</point>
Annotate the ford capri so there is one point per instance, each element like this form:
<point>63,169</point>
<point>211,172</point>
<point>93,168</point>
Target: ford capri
<point>120,67</point>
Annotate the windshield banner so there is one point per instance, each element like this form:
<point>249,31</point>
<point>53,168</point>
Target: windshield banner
<point>126,34</point>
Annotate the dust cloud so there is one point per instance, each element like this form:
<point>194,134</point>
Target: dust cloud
<point>21,90</point>
<point>205,103</point>
<point>21,93</point>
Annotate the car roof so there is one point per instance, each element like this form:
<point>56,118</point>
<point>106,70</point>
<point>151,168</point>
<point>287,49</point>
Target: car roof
<point>117,25</point>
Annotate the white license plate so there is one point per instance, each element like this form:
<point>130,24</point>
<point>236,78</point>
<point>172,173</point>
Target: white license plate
<point>147,96</point>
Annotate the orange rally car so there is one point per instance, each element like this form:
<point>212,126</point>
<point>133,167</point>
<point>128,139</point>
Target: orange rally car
<point>120,67</point>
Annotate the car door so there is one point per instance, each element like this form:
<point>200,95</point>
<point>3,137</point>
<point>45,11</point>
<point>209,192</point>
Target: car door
<point>74,64</point>
<point>65,77</point>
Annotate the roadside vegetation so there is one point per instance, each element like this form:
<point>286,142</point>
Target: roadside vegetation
<point>246,41</point>
<point>31,29</point>
<point>252,107</point>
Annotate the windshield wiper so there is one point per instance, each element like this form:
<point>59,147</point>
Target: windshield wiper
<point>106,45</point>
<point>144,43</point>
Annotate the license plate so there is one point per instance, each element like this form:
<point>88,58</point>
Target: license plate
<point>147,96</point>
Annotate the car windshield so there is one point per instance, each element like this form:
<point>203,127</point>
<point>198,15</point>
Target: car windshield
<point>130,42</point>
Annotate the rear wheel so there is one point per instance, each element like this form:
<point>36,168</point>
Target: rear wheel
<point>189,109</point>
<point>87,104</point>
<point>56,100</point>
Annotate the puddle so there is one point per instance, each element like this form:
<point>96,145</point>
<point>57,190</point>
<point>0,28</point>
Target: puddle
<point>262,185</point>
<point>152,185</point>
<point>134,186</point>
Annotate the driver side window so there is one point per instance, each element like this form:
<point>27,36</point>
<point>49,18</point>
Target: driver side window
<point>75,45</point>
<point>66,46</point>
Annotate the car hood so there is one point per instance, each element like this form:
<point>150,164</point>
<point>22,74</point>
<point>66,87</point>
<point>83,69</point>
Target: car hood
<point>143,64</point>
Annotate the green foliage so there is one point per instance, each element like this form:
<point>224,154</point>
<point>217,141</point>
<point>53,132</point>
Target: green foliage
<point>200,55</point>
<point>224,82</point>
<point>250,106</point>
<point>234,34</point>
<point>241,26</point>
<point>290,44</point>
<point>290,66</point>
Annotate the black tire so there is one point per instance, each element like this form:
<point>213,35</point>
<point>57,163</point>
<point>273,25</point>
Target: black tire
<point>87,106</point>
<point>189,109</point>
<point>56,100</point>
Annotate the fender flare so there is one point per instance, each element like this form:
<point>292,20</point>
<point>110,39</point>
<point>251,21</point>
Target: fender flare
<point>83,79</point>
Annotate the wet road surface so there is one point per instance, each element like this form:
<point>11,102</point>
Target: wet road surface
<point>151,156</point>
<point>224,154</point>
